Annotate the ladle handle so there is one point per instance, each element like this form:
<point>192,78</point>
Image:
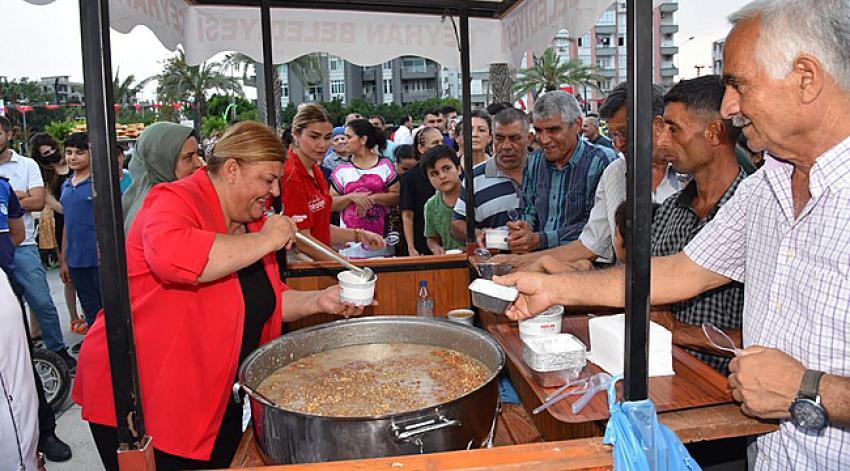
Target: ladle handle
<point>330,253</point>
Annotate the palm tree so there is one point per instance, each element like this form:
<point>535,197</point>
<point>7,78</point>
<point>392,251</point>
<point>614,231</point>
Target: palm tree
<point>501,83</point>
<point>124,91</point>
<point>180,82</point>
<point>307,68</point>
<point>550,73</point>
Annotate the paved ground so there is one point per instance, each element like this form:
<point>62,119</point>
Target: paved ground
<point>69,427</point>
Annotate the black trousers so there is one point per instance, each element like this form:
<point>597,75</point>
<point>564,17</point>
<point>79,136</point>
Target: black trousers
<point>226,442</point>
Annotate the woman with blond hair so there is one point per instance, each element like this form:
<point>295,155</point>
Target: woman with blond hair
<point>204,293</point>
<point>304,190</point>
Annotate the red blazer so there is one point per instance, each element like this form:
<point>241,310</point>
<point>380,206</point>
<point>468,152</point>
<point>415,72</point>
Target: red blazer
<point>188,334</point>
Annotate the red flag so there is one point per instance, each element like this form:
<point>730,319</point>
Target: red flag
<point>567,88</point>
<point>138,107</point>
<point>156,105</point>
<point>52,107</point>
<point>175,106</point>
<point>117,107</point>
<point>24,108</point>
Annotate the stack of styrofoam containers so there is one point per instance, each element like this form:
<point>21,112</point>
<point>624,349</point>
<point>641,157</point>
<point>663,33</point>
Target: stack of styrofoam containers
<point>607,342</point>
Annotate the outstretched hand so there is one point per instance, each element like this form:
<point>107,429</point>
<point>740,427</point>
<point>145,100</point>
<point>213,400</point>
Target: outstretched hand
<point>534,294</point>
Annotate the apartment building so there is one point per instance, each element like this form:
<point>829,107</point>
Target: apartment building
<point>717,56</point>
<point>409,78</point>
<point>402,80</point>
<point>62,88</point>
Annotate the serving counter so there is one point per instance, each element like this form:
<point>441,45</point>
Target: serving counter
<point>448,278</point>
<point>694,403</point>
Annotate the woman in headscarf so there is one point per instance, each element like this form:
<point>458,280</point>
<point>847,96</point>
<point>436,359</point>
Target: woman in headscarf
<point>164,153</point>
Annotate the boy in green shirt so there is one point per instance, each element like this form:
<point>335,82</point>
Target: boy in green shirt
<point>442,167</point>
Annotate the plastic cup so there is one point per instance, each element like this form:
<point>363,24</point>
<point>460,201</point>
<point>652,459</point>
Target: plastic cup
<point>353,289</point>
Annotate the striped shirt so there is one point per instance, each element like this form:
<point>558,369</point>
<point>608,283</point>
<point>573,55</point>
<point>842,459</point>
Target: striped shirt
<point>796,271</point>
<point>674,225</point>
<point>558,202</point>
<point>495,194</point>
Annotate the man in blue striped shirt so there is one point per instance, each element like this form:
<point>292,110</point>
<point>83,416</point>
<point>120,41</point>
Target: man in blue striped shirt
<point>561,178</point>
<point>497,181</point>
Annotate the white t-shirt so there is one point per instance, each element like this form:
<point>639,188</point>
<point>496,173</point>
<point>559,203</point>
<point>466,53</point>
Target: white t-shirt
<point>403,136</point>
<point>18,400</point>
<point>24,175</point>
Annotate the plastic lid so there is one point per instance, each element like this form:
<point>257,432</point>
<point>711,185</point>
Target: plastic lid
<point>423,283</point>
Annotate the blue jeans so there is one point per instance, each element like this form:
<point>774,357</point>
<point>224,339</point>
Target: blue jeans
<point>31,277</point>
<point>87,283</point>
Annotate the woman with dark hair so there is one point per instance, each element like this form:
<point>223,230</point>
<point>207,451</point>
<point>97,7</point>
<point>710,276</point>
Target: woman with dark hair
<point>367,174</point>
<point>54,171</point>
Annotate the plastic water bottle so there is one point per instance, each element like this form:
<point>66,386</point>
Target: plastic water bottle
<point>424,302</point>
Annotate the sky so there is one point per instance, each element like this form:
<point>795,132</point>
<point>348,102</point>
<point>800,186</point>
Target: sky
<point>47,40</point>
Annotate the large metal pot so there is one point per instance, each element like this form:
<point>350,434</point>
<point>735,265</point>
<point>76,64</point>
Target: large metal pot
<point>290,437</point>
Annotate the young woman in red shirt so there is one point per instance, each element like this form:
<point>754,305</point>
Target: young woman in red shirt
<point>204,292</point>
<point>304,190</point>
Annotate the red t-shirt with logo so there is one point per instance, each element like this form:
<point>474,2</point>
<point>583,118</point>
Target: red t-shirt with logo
<point>307,196</point>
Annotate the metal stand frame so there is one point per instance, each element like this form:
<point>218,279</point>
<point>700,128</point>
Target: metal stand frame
<point>639,198</point>
<point>136,452</point>
<point>97,72</point>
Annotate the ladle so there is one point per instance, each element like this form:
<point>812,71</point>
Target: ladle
<point>365,273</point>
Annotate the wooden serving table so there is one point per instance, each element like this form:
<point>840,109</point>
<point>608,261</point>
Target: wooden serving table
<point>448,278</point>
<point>695,402</point>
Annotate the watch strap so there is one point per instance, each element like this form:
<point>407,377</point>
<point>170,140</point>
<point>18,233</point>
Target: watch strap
<point>811,384</point>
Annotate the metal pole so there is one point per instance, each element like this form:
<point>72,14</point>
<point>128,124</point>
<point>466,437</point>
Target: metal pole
<point>639,197</point>
<point>97,73</point>
<point>466,80</point>
<point>268,64</point>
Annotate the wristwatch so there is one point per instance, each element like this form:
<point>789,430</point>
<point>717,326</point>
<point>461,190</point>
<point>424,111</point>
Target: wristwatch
<point>807,411</point>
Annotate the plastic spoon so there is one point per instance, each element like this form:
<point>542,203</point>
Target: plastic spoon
<point>576,382</point>
<point>719,339</point>
<point>582,388</point>
<point>598,382</point>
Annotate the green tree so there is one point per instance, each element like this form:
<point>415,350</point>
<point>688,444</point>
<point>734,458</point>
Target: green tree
<point>125,91</point>
<point>214,123</point>
<point>550,73</point>
<point>307,68</point>
<point>180,82</point>
<point>23,91</point>
<point>59,129</point>
<point>235,107</point>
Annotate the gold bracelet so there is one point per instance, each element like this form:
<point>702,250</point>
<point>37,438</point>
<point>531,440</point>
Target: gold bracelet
<point>357,235</point>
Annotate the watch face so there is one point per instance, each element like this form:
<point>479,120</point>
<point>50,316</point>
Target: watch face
<point>808,414</point>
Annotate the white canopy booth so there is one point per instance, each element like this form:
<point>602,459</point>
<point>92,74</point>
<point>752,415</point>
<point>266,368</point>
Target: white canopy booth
<point>363,32</point>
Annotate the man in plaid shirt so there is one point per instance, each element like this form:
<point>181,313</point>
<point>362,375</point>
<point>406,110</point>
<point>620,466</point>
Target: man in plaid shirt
<point>696,140</point>
<point>786,232</point>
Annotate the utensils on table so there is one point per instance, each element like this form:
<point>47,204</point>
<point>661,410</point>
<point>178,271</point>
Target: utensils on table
<point>588,387</point>
<point>719,339</point>
<point>598,382</point>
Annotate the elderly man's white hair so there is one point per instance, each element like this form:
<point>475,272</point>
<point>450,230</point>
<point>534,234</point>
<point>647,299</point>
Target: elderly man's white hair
<point>789,28</point>
<point>557,103</point>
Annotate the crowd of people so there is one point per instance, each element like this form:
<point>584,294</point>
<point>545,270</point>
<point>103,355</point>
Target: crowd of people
<point>762,255</point>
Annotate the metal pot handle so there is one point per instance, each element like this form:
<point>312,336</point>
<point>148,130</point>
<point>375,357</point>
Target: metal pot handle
<point>237,386</point>
<point>413,430</point>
